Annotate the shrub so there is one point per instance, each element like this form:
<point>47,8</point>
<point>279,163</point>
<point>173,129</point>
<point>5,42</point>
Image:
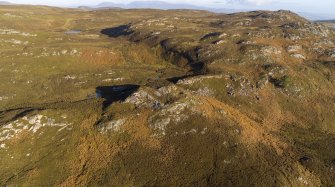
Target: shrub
<point>282,82</point>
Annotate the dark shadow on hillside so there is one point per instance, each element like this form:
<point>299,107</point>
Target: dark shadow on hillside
<point>114,32</point>
<point>329,64</point>
<point>210,35</point>
<point>113,94</point>
<point>175,80</point>
<point>15,114</point>
<point>196,69</point>
<point>199,68</point>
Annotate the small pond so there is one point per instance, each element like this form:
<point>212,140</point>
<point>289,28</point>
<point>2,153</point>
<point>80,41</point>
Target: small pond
<point>73,32</point>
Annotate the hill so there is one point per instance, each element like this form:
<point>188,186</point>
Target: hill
<point>327,21</point>
<point>170,6</point>
<point>317,16</point>
<point>5,3</point>
<point>160,5</point>
<point>109,5</point>
<point>148,4</point>
<point>165,98</point>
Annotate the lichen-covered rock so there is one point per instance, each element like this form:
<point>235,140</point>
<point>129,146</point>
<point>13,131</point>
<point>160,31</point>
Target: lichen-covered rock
<point>31,124</point>
<point>197,79</point>
<point>205,91</point>
<point>270,50</point>
<point>113,126</point>
<point>331,53</point>
<point>294,48</point>
<point>176,113</point>
<point>263,81</point>
<point>275,70</point>
<point>143,98</point>
<point>298,56</point>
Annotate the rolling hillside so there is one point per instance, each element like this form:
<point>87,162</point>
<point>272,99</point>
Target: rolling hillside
<point>165,98</point>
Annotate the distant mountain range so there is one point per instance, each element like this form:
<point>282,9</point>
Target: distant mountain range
<point>109,5</point>
<point>159,5</point>
<point>5,3</point>
<point>167,6</point>
<point>317,16</point>
<point>148,4</point>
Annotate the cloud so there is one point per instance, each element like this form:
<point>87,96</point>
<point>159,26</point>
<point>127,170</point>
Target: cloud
<point>253,2</point>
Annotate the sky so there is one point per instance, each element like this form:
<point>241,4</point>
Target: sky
<point>313,6</point>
